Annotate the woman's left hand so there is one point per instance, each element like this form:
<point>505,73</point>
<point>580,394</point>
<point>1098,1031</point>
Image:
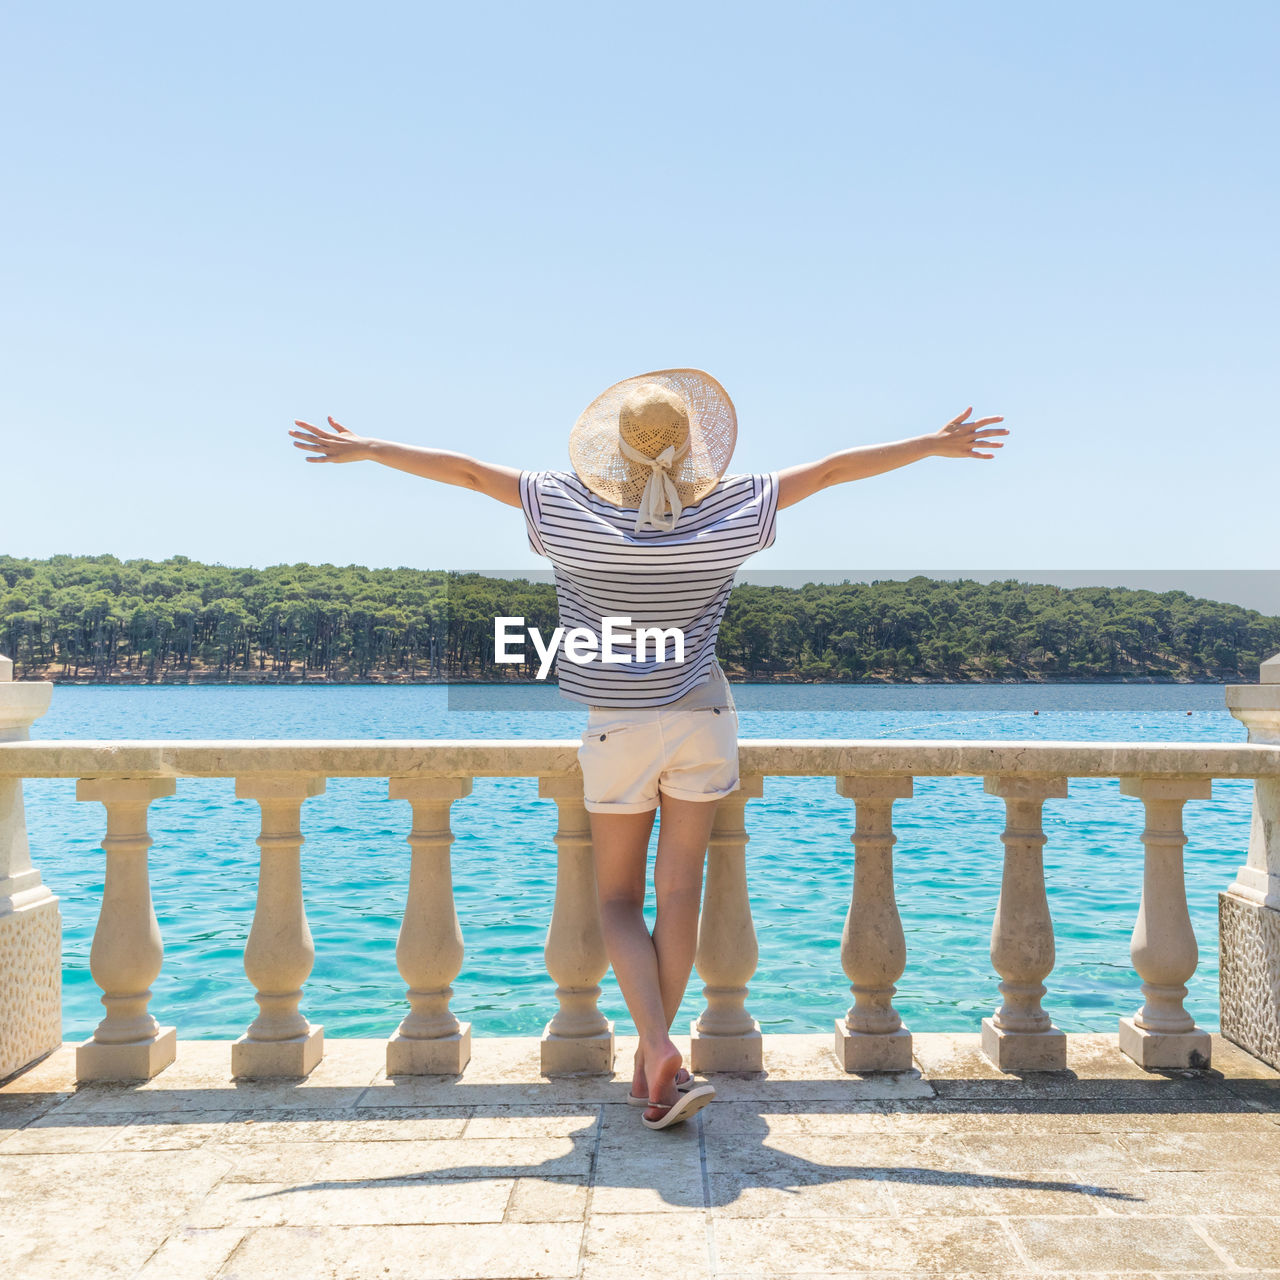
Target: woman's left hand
<point>335,445</point>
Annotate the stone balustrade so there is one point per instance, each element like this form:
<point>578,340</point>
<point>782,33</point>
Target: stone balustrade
<point>1019,1035</point>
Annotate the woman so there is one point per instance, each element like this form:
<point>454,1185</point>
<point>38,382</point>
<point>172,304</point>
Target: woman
<point>648,530</point>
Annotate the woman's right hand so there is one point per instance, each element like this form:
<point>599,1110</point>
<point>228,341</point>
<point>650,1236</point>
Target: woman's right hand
<point>338,445</point>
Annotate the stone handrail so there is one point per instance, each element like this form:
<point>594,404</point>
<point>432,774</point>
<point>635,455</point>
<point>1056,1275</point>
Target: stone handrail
<point>528,758</point>
<point>125,776</point>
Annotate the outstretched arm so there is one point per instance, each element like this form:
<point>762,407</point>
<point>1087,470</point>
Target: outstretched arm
<point>958,439</point>
<point>340,445</point>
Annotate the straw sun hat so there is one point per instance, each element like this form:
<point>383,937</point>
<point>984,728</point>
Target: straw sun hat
<point>658,442</point>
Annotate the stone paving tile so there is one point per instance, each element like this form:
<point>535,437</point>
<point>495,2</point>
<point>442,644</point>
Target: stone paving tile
<point>284,1095</point>
<point>1233,1061</point>
<point>457,1159</point>
<point>832,1158</point>
<point>96,1214</point>
<point>1168,1092</point>
<point>170,1132</point>
<point>1060,1244</point>
<point>978,1245</point>
<point>499,1251</point>
<point>1181,1194</point>
<point>534,1122</point>
<point>548,1200</point>
<point>291,1162</point>
<point>1089,1154</point>
<point>1232,1116</point>
<point>1260,1095</point>
<point>81,1186</point>
<point>960,1115</point>
<point>191,1254</point>
<point>371,1163</point>
<point>48,1134</point>
<point>54,1073</point>
<point>1171,1152</point>
<point>903,1085</point>
<point>764,1119</point>
<point>629,1246</point>
<point>395,1124</point>
<point>986,1195</point>
<point>266,1204</point>
<point>662,1175</point>
<point>1248,1242</point>
<point>488,1096</point>
<point>784,1193</point>
<point>623,1127</point>
<point>96,1250</point>
<point>19,1109</point>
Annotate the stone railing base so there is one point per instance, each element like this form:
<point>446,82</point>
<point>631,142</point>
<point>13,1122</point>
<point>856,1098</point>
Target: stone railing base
<point>137,1060</point>
<point>277,1059</point>
<point>743,1052</point>
<point>1165,1051</point>
<point>1249,976</point>
<point>576,1055</point>
<point>1024,1050</point>
<point>859,1052</point>
<point>30,984</point>
<point>440,1056</point>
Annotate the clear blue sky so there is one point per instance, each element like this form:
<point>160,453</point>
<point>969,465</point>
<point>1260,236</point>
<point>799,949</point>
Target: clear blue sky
<point>456,224</point>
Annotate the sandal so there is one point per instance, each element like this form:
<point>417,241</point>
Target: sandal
<point>685,1106</point>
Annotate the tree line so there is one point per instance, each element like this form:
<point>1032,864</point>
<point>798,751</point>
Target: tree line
<point>100,618</point>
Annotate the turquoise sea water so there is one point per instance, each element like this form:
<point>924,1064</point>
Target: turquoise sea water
<point>800,859</point>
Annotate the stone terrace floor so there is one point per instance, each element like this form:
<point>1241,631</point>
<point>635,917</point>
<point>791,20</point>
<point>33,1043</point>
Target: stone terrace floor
<point>950,1170</point>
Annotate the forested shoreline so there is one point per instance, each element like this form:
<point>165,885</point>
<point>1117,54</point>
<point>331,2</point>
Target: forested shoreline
<point>100,619</point>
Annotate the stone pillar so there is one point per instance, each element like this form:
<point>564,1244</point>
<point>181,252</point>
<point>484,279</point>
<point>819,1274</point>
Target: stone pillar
<point>726,1037</point>
<point>1249,911</point>
<point>1019,1036</point>
<point>127,950</point>
<point>30,923</point>
<point>279,954</point>
<point>873,950</point>
<point>430,1040</point>
<point>579,1038</point>
<point>1162,1035</point>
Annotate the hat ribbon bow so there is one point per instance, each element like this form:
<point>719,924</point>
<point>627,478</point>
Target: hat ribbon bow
<point>660,504</point>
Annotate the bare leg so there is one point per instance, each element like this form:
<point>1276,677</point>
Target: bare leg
<point>652,970</point>
<point>620,844</point>
<point>621,841</point>
<point>678,871</point>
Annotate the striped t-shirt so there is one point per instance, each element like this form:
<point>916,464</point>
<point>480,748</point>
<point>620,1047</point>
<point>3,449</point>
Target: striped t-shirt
<point>659,579</point>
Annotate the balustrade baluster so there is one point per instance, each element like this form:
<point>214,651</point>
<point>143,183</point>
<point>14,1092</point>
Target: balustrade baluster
<point>1020,1036</point>
<point>579,1038</point>
<point>1162,1034</point>
<point>279,953</point>
<point>127,949</point>
<point>429,952</point>
<point>873,950</point>
<point>726,1037</point>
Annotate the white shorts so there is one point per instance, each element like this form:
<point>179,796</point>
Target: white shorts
<point>687,750</point>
